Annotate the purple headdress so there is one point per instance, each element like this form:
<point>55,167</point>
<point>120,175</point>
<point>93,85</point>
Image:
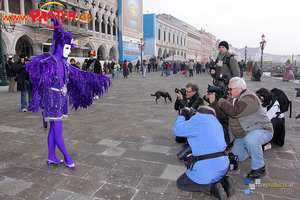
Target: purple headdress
<point>60,37</point>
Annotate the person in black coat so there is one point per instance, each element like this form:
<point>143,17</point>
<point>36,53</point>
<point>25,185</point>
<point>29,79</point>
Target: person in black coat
<point>190,98</point>
<point>125,69</point>
<point>11,74</point>
<point>23,83</point>
<point>93,65</point>
<point>130,66</point>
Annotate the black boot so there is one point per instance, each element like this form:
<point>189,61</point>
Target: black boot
<point>218,191</point>
<point>227,183</point>
<point>257,173</point>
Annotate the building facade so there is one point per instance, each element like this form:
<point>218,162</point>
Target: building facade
<point>194,44</point>
<point>171,37</point>
<point>208,41</point>
<point>99,30</point>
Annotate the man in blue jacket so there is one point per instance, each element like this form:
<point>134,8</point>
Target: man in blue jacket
<point>208,163</point>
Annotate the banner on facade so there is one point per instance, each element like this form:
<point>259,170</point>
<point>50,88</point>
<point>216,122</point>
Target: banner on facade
<point>132,19</point>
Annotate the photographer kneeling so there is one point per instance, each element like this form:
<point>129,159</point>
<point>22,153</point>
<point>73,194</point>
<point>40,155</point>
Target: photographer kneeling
<point>208,163</point>
<point>249,123</point>
<point>187,98</point>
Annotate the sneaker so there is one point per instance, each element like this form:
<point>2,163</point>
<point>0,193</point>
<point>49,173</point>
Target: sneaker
<point>97,97</point>
<point>24,110</point>
<point>253,174</point>
<point>227,184</point>
<point>267,146</point>
<point>218,191</point>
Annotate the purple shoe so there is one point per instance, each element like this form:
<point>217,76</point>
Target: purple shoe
<point>50,162</point>
<point>72,166</point>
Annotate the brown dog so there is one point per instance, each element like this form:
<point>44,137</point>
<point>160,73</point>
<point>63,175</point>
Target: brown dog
<point>159,94</point>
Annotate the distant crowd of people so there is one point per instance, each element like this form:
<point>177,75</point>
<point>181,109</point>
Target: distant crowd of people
<point>235,117</point>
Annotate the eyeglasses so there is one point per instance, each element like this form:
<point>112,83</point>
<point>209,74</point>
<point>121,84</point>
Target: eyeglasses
<point>189,91</point>
<point>230,89</point>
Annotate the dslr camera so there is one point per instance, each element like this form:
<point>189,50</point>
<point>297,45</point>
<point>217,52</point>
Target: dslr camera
<point>177,90</point>
<point>213,66</point>
<point>220,89</point>
<point>185,152</point>
<point>188,113</point>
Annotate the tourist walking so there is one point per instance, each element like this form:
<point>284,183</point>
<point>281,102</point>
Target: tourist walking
<point>11,74</point>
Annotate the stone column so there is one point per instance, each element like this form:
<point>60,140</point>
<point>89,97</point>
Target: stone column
<point>100,26</point>
<point>105,25</point>
<point>22,10</point>
<point>86,23</point>
<point>93,23</point>
<point>117,29</point>
<point>6,7</point>
<point>111,30</point>
<point>69,22</point>
<point>78,17</point>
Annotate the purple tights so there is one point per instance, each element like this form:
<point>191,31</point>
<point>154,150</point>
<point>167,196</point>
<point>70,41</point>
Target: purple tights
<point>55,138</point>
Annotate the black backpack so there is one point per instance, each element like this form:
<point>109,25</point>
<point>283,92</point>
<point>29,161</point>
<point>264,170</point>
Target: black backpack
<point>283,100</point>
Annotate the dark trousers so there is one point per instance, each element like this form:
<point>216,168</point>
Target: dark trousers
<point>279,131</point>
<point>191,72</point>
<point>185,183</point>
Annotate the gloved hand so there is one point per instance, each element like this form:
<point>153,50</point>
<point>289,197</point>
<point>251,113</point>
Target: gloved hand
<point>185,112</point>
<point>219,94</point>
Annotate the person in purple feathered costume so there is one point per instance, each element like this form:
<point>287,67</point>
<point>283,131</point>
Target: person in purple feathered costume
<point>56,85</point>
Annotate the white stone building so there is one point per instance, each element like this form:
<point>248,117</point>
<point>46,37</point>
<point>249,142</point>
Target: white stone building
<point>100,34</point>
<point>171,34</point>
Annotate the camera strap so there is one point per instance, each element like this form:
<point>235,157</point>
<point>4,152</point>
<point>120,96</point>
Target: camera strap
<point>193,159</point>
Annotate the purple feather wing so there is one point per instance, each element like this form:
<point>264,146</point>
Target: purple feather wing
<point>82,85</point>
<point>41,71</point>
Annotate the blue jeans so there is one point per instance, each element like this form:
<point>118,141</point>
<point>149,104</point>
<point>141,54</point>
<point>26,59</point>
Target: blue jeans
<point>23,95</point>
<point>250,146</point>
<point>116,74</point>
<point>162,71</point>
<point>144,72</point>
<point>168,72</point>
<point>207,70</point>
<point>112,73</point>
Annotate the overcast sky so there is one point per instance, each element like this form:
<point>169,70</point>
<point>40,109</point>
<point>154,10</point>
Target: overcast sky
<point>241,23</point>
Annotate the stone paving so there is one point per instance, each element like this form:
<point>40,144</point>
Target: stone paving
<point>123,147</point>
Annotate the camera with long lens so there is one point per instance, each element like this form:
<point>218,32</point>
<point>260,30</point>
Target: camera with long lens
<point>185,153</point>
<point>220,89</point>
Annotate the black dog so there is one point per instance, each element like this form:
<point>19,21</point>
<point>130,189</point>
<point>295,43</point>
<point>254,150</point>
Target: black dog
<point>159,94</point>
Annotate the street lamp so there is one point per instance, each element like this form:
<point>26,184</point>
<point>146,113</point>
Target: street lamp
<point>141,47</point>
<point>2,25</point>
<point>246,55</point>
<point>262,46</point>
<point>173,52</point>
<point>196,56</point>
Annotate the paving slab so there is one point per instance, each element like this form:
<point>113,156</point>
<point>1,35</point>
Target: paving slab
<point>124,148</point>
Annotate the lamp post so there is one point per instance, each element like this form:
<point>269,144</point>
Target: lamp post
<point>141,47</point>
<point>2,25</point>
<point>196,56</point>
<point>262,46</point>
<point>173,52</point>
<point>246,55</point>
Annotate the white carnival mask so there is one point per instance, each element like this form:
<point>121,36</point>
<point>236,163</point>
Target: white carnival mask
<point>67,50</point>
